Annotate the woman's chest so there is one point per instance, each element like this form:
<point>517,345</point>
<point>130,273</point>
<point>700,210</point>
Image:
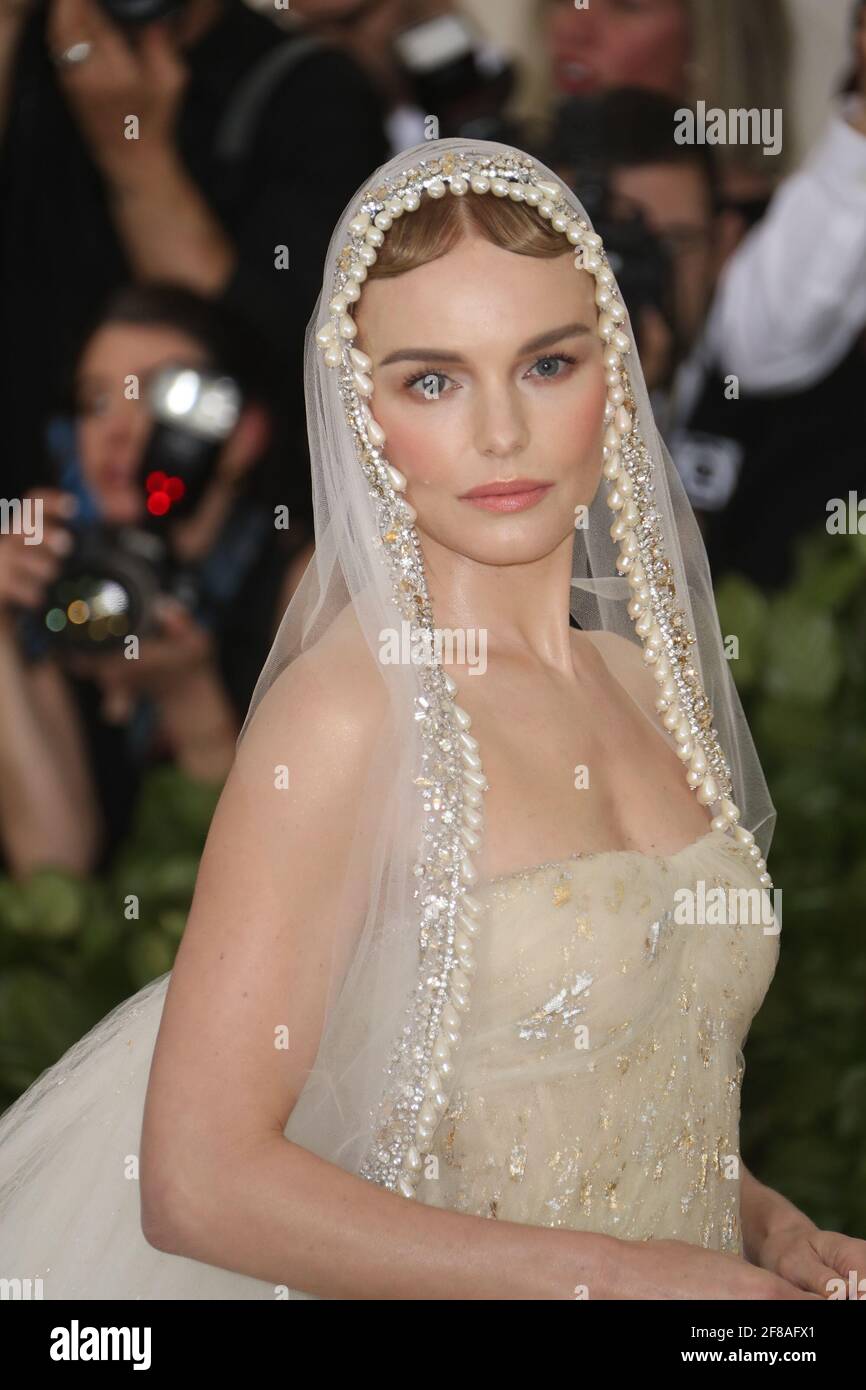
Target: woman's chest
<point>593,951</point>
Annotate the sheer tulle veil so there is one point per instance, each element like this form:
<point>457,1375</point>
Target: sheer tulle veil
<point>402,976</point>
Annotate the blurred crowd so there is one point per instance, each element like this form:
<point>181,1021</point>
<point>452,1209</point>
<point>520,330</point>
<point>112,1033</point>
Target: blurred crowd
<point>170,175</point>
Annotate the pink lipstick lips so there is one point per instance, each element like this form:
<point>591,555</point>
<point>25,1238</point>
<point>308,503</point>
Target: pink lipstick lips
<point>514,496</point>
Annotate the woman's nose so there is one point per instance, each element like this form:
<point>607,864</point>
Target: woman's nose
<point>501,426</point>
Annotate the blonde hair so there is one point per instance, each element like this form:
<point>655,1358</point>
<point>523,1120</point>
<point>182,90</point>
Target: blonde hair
<point>419,237</point>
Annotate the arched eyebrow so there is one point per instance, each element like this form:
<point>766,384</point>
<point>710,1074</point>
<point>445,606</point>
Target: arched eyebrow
<point>544,340</point>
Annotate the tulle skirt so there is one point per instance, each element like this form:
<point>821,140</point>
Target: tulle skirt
<point>70,1211</point>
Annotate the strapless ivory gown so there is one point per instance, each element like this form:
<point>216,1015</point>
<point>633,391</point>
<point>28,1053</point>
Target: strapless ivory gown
<point>598,1085</point>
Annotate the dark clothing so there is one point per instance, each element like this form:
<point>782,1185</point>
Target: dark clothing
<point>799,452</point>
<point>318,138</point>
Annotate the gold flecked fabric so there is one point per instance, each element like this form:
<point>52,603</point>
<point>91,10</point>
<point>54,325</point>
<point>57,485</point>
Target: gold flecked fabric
<point>597,1080</point>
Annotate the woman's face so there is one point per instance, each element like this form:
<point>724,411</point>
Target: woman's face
<point>619,43</point>
<point>488,368</point>
<point>113,430</point>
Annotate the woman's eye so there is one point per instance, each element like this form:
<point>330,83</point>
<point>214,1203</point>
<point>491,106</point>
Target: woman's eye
<point>427,384</point>
<point>552,365</point>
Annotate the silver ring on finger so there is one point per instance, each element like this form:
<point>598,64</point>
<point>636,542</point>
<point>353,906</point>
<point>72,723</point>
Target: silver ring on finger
<point>75,54</point>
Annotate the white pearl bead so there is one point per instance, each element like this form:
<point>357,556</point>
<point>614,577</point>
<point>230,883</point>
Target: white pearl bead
<point>394,207</point>
<point>616,395</point>
<point>471,905</point>
<point>367,254</point>
<point>375,236</point>
<point>545,208</point>
<point>729,810</point>
<point>603,296</point>
<point>398,482</point>
<point>606,326</point>
<point>462,718</point>
<point>325,335</point>
<point>405,1187</point>
<point>363,383</point>
<point>743,836</point>
<point>708,791</point>
<point>360,223</point>
<point>374,429</point>
<point>436,188</point>
<point>621,341</point>
<point>550,190</point>
<point>467,871</point>
<point>410,511</point>
<point>384,221</point>
<point>459,185</point>
<point>592,239</point>
<point>592,263</point>
<point>352,290</point>
<point>499,188</point>
<point>357,271</point>
<point>517,193</point>
<point>338,303</point>
<point>450,683</point>
<point>623,421</point>
<point>333,355</point>
<point>411,201</point>
<point>360,359</point>
<point>470,925</point>
<point>559,222</point>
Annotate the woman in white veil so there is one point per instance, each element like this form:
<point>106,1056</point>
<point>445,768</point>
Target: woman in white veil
<point>326,993</point>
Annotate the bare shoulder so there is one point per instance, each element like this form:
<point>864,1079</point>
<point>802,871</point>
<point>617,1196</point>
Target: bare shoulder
<point>331,700</point>
<point>624,660</point>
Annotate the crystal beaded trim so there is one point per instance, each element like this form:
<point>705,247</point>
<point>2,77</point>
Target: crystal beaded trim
<point>450,779</point>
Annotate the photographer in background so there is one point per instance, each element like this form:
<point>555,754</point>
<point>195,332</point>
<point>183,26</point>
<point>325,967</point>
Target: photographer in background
<point>655,203</point>
<point>157,140</point>
<point>425,58</point>
<point>79,718</point>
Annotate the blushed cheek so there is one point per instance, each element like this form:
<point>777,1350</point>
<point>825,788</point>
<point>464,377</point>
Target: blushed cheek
<point>580,432</point>
<point>417,446</point>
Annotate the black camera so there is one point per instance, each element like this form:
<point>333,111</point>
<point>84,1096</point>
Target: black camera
<point>108,585</point>
<point>456,73</point>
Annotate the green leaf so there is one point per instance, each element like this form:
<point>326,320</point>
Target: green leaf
<point>803,661</point>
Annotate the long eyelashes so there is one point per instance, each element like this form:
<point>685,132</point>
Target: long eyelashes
<point>428,375</point>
